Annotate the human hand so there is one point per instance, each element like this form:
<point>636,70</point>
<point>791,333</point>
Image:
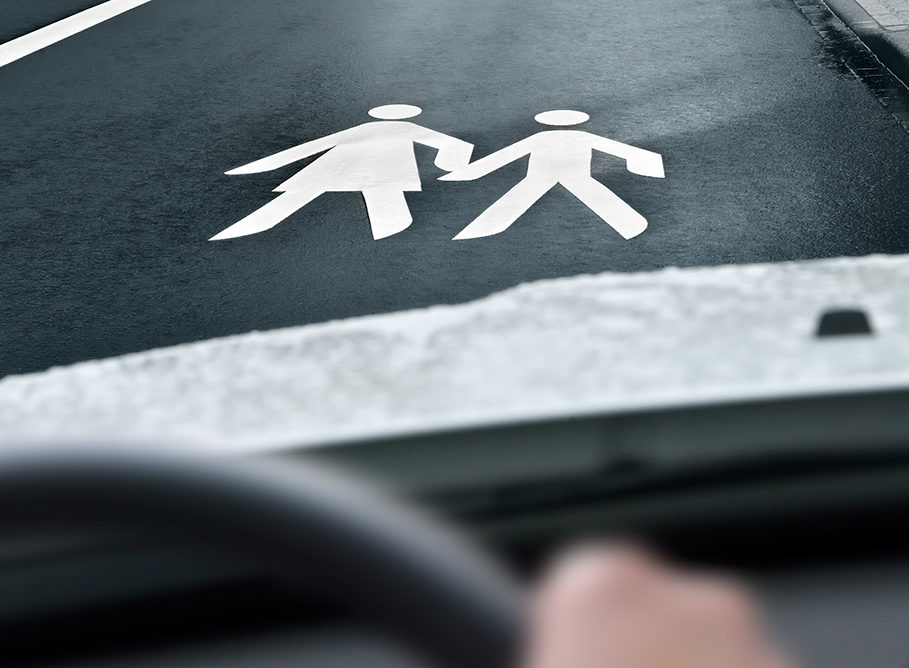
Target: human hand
<point>621,607</point>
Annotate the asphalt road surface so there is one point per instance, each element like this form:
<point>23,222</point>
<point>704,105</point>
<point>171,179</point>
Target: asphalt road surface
<point>114,143</point>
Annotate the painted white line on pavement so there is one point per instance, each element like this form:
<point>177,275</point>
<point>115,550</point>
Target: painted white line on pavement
<point>55,32</point>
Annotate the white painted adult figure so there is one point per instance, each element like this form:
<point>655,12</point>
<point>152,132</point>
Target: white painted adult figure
<point>559,157</point>
<point>376,159</point>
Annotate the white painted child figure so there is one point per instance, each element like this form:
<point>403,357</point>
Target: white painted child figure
<point>559,157</point>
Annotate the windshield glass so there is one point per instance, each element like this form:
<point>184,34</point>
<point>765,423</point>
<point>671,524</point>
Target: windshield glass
<point>370,217</point>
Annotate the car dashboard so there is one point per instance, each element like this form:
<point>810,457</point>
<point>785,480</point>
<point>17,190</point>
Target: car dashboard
<point>793,495</point>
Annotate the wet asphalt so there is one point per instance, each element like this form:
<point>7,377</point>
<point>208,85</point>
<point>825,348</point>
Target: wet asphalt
<point>114,144</point>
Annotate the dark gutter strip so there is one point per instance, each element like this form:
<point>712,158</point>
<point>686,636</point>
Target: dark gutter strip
<point>875,55</point>
<point>890,46</point>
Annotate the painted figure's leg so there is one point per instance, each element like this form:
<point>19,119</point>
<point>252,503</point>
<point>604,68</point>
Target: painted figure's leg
<point>388,212</point>
<point>269,215</point>
<point>607,205</point>
<point>507,209</point>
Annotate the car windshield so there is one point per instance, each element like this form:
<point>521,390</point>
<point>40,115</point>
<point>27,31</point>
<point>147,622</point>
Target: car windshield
<point>297,223</point>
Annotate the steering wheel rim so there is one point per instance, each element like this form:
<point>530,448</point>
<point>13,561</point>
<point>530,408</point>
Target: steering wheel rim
<point>430,585</point>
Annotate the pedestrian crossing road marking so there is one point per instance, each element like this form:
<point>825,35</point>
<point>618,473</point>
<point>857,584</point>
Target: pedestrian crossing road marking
<point>378,160</point>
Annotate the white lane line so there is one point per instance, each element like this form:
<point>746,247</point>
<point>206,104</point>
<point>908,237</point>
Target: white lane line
<point>55,32</point>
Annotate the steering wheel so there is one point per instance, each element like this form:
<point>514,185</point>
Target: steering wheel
<point>383,558</point>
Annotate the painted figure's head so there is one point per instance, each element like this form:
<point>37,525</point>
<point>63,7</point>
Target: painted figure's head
<point>395,112</point>
<point>561,117</point>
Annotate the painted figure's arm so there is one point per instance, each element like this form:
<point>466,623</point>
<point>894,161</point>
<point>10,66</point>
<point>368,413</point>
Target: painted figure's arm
<point>638,160</point>
<point>491,162</point>
<point>453,153</point>
<point>290,155</point>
